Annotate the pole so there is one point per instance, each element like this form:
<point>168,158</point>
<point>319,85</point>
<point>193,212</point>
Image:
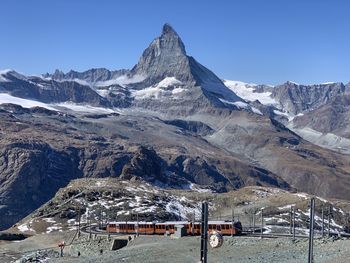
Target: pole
<point>79,216</point>
<point>250,221</point>
<point>233,221</point>
<point>253,221</point>
<point>329,221</point>
<point>291,220</point>
<point>311,230</point>
<point>193,221</point>
<point>262,223</point>
<point>89,218</point>
<point>293,223</point>
<point>99,219</point>
<point>107,225</point>
<point>322,222</point>
<point>204,233</point>
<point>137,219</point>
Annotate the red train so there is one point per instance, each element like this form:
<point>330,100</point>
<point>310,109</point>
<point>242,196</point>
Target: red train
<point>151,228</point>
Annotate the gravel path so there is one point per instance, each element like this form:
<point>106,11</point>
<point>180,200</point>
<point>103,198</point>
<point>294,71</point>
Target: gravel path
<point>236,249</point>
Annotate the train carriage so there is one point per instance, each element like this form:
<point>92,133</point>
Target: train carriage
<point>150,228</point>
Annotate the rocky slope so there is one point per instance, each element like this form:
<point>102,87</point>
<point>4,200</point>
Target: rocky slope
<point>296,98</point>
<point>331,117</point>
<point>112,199</point>
<point>48,90</point>
<point>42,150</point>
<point>318,113</point>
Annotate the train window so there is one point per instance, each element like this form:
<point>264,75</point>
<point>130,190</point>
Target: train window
<point>210,227</point>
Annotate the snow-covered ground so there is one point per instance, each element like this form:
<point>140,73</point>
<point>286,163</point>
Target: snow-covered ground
<point>3,73</point>
<point>26,227</point>
<point>248,92</point>
<point>26,103</point>
<point>242,105</point>
<point>121,81</point>
<point>160,90</point>
<point>81,108</point>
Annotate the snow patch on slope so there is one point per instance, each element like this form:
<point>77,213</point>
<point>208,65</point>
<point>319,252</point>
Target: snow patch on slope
<point>248,92</point>
<point>242,105</point>
<point>160,90</point>
<point>25,103</point>
<point>82,108</point>
<point>2,73</point>
<point>168,81</point>
<point>121,81</point>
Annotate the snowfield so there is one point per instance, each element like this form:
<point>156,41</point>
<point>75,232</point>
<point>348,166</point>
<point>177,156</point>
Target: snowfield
<point>25,103</point>
<point>82,108</point>
<point>121,81</point>
<point>160,90</point>
<point>247,92</point>
<point>2,73</point>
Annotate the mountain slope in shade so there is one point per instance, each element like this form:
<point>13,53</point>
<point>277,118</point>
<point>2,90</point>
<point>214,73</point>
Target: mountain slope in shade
<point>318,113</point>
<point>48,90</point>
<point>296,98</point>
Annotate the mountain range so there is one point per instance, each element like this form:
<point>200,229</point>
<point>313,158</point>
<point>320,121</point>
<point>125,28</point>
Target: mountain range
<point>172,122</point>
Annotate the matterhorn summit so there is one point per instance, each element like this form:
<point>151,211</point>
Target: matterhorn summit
<point>166,57</point>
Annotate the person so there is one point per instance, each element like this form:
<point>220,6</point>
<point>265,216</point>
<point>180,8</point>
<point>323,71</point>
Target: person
<point>78,253</point>
<point>101,251</point>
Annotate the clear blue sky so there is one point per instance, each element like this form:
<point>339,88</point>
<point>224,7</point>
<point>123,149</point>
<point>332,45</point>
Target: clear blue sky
<point>261,41</point>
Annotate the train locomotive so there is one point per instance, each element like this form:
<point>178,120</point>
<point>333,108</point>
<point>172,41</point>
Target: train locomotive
<point>156,228</point>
